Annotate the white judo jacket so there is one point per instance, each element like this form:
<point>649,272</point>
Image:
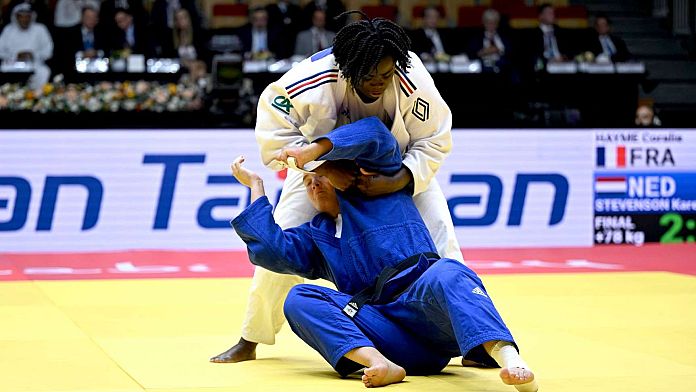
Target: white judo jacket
<point>309,100</point>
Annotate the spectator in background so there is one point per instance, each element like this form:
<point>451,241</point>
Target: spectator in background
<point>333,8</point>
<point>488,45</point>
<point>163,20</point>
<point>606,45</point>
<point>645,117</point>
<point>259,40</point>
<point>69,12</point>
<point>316,38</point>
<point>429,42</point>
<point>39,7</point>
<point>286,17</point>
<point>108,9</point>
<point>548,43</point>
<point>87,37</point>
<point>130,36</point>
<point>188,43</point>
<point>29,41</point>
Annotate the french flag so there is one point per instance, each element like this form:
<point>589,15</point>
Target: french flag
<point>614,184</point>
<point>611,157</point>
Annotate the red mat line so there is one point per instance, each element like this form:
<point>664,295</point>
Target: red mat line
<point>678,258</point>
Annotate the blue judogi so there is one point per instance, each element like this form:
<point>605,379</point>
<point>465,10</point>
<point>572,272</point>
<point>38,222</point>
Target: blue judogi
<point>444,311</point>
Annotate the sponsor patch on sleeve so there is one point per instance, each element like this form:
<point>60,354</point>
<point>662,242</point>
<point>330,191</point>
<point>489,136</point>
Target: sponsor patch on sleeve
<point>282,103</point>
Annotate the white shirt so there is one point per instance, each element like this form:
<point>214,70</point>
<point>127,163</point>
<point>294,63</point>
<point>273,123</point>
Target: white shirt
<point>355,109</point>
<point>550,45</point>
<point>339,226</point>
<point>259,40</point>
<point>320,39</point>
<point>434,37</point>
<point>496,39</point>
<point>608,46</point>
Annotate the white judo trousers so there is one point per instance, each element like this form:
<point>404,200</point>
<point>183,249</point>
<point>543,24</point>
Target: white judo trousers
<point>264,316</point>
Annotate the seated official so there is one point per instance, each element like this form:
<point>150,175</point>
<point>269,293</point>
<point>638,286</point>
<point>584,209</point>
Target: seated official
<point>605,45</point>
<point>489,45</point>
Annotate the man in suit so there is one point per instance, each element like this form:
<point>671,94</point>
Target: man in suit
<point>130,35</point>
<point>489,45</point>
<point>88,37</point>
<point>259,40</point>
<point>606,44</point>
<point>548,42</point>
<point>429,42</point>
<point>316,38</point>
<point>333,8</point>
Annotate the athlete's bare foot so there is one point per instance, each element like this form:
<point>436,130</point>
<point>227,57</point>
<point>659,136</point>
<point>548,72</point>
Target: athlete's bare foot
<point>522,379</point>
<point>383,373</point>
<point>242,351</point>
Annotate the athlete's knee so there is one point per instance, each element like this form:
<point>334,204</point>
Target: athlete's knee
<point>451,272</point>
<point>297,300</point>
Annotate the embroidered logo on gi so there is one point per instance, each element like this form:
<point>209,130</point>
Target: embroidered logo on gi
<point>351,309</point>
<point>282,103</point>
<point>477,290</point>
<point>421,109</point>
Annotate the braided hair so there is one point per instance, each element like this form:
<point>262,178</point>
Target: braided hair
<point>361,45</point>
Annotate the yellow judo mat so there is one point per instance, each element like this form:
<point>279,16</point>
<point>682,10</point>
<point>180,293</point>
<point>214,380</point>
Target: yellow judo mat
<point>579,332</point>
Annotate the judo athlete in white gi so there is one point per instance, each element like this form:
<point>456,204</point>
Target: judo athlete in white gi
<point>399,309</point>
<point>368,72</point>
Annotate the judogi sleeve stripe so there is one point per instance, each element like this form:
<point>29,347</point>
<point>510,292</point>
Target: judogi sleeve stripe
<point>310,77</point>
<point>313,81</point>
<point>404,90</point>
<point>405,86</point>
<point>410,83</point>
<point>334,80</point>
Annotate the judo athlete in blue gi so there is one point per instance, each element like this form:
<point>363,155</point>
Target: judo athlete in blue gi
<point>399,308</point>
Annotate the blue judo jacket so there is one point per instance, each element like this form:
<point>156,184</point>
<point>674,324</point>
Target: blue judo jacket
<point>378,232</point>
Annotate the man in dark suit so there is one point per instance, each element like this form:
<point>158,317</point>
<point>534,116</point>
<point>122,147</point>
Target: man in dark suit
<point>259,40</point>
<point>88,37</point>
<point>333,8</point>
<point>548,42</point>
<point>430,42</point>
<point>489,45</point>
<point>286,17</point>
<point>605,43</point>
<point>129,35</point>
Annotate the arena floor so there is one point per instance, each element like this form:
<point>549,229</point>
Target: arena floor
<point>630,329</point>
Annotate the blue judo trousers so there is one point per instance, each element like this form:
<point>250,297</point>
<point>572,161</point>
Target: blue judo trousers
<point>444,310</point>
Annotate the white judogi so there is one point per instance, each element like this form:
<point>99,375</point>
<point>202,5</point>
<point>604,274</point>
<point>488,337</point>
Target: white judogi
<point>35,39</point>
<point>309,101</point>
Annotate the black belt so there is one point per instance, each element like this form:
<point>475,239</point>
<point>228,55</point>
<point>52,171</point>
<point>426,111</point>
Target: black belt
<point>374,294</point>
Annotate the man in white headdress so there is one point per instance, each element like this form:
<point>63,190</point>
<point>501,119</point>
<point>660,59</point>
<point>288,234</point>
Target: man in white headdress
<point>25,40</point>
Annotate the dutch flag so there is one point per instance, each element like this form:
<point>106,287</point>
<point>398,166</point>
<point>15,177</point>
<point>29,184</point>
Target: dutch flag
<point>611,157</point>
<point>615,184</point>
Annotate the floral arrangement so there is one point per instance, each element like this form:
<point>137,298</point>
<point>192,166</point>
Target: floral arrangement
<point>103,96</point>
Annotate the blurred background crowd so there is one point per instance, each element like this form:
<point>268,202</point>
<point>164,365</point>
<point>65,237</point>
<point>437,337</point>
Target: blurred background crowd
<point>511,62</point>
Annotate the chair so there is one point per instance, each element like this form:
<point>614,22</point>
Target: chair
<point>572,17</point>
<point>470,16</point>
<point>381,11</point>
<point>226,15</point>
<point>417,15</point>
<point>523,17</point>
